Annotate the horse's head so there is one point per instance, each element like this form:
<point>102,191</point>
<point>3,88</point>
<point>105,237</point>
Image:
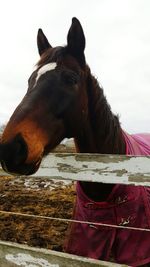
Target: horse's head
<point>53,106</point>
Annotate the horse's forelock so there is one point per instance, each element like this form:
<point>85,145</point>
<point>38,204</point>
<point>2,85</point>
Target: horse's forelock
<point>51,55</point>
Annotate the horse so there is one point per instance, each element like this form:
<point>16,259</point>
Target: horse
<point>64,100</point>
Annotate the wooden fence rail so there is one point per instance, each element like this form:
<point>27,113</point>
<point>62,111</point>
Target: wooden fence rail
<point>95,168</point>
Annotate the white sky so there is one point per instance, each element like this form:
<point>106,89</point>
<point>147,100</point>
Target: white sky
<point>117,50</point>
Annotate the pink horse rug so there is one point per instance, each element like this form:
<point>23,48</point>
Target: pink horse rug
<point>126,206</point>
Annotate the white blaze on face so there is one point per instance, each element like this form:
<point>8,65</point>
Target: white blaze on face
<point>44,69</point>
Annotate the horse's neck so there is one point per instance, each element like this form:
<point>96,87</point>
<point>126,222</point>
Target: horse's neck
<point>101,134</point>
<point>101,130</point>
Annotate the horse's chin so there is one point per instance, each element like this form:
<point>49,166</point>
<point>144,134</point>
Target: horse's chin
<point>22,169</point>
<point>33,168</point>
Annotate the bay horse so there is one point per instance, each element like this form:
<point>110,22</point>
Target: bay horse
<point>64,100</point>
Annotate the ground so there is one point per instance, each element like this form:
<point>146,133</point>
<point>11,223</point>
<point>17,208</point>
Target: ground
<point>39,197</point>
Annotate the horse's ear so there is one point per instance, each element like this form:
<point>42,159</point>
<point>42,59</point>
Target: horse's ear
<point>76,40</point>
<point>42,42</point>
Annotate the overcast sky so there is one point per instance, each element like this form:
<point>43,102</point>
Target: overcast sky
<point>117,50</point>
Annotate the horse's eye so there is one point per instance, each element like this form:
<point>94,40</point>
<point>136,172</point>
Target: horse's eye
<point>70,77</point>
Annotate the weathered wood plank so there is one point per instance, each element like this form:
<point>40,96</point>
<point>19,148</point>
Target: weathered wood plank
<point>96,168</point>
<point>13,255</point>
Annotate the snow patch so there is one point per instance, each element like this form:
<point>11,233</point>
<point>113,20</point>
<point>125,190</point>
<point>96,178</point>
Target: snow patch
<point>26,260</point>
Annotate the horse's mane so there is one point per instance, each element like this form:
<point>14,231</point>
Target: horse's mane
<point>107,129</point>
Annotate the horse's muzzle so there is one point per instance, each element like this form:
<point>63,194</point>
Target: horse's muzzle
<point>13,157</point>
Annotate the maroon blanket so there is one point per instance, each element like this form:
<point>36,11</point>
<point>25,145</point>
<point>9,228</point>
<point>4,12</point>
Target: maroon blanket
<point>127,206</point>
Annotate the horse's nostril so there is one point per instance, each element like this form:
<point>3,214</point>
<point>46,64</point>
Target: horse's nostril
<point>14,152</point>
<point>19,148</point>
